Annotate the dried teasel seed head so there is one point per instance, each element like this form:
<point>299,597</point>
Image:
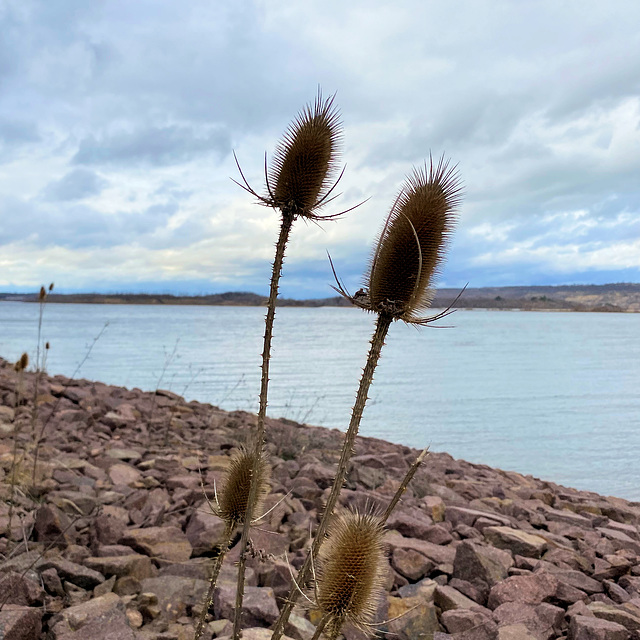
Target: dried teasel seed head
<point>43,294</point>
<point>51,287</point>
<point>47,346</point>
<point>305,160</point>
<point>411,245</point>
<point>351,569</point>
<point>234,495</point>
<point>22,362</point>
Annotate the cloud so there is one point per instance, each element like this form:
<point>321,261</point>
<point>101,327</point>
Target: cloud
<point>117,120</point>
<point>159,146</point>
<point>75,185</point>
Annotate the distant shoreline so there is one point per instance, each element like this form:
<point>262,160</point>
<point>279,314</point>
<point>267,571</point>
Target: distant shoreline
<point>619,298</point>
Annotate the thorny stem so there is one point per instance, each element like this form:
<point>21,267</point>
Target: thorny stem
<point>215,572</point>
<point>320,628</point>
<point>404,484</point>
<point>377,342</point>
<point>258,444</point>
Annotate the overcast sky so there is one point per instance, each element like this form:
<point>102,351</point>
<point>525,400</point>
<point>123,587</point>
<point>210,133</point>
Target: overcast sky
<point>118,120</point>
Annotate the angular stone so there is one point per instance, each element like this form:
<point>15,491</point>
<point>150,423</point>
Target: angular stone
<point>434,506</point>
<point>457,621</point>
<point>175,593</point>
<point>578,580</point>
<point>439,554</point>
<point>124,474</point>
<point>586,628</point>
<point>259,604</point>
<point>516,541</point>
<point>77,616</point>
<point>168,543</point>
<point>16,588</point>
<point>477,563</point>
<point>542,622</point>
<point>107,530</point>
<point>135,565</point>
<point>20,623</point>
<point>72,572</point>
<point>412,618</point>
<point>515,632</point>
<point>616,614</point>
<point>449,598</point>
<point>411,564</point>
<point>457,515</point>
<point>52,525</point>
<point>531,589</point>
<point>410,524</point>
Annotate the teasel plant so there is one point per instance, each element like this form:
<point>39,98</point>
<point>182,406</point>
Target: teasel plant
<point>398,286</point>
<point>300,181</point>
<point>231,506</point>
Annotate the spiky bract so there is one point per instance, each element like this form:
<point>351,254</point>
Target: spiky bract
<point>351,570</point>
<point>412,242</point>
<point>305,160</point>
<point>235,491</point>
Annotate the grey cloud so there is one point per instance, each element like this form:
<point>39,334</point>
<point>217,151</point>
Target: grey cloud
<point>77,184</point>
<point>16,132</point>
<point>78,226</point>
<point>156,146</point>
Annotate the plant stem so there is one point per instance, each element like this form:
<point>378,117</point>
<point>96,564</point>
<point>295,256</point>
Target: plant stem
<point>377,342</point>
<point>404,484</point>
<point>215,572</point>
<point>320,628</point>
<point>258,444</point>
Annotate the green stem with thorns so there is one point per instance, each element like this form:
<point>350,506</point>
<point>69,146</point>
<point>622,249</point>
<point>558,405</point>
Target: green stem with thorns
<point>215,572</point>
<point>258,444</point>
<point>377,342</point>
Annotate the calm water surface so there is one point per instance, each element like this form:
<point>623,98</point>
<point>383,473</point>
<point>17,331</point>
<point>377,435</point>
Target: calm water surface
<point>556,395</point>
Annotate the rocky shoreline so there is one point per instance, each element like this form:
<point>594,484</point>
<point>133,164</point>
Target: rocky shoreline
<point>115,538</point>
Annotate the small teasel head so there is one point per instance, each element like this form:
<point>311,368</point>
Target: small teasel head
<point>234,496</point>
<point>351,570</point>
<point>411,246</point>
<point>22,363</point>
<point>43,294</point>
<point>51,287</point>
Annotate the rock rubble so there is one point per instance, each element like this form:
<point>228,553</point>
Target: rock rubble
<point>115,538</point>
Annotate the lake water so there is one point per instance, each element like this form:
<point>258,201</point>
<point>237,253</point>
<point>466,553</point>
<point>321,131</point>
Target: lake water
<point>556,395</point>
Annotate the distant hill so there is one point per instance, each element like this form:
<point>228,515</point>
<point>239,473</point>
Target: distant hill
<point>623,297</point>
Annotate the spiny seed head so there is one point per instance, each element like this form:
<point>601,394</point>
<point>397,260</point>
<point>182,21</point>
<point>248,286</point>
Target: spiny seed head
<point>47,346</point>
<point>234,496</point>
<point>411,245</point>
<point>51,287</point>
<point>305,159</point>
<point>351,567</point>
<point>43,294</point>
<point>22,363</point>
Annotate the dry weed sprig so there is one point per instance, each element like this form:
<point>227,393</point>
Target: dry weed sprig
<point>19,367</point>
<point>297,185</point>
<point>407,255</point>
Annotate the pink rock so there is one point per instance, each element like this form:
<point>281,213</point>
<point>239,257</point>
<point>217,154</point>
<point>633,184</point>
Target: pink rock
<point>168,543</point>
<point>123,474</point>
<point>20,623</point>
<point>585,628</point>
